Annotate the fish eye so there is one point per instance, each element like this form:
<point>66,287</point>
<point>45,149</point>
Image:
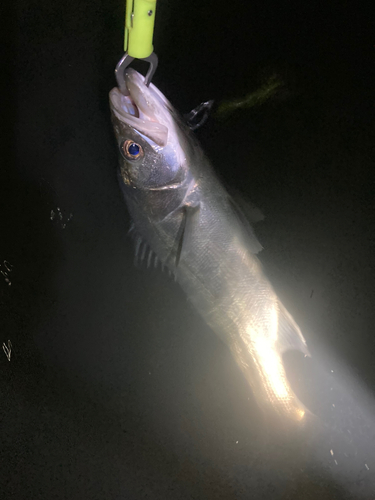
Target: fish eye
<point>130,150</point>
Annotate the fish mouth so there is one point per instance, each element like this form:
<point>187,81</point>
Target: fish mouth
<point>145,109</point>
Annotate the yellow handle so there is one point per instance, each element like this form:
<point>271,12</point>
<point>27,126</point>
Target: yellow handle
<point>139,27</point>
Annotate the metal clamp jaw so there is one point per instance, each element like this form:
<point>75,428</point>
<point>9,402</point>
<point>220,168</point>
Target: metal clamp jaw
<point>124,63</point>
<point>139,30</point>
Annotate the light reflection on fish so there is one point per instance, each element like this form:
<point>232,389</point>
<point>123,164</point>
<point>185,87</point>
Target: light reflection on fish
<point>183,213</point>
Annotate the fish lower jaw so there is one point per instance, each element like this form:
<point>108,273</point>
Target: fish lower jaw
<point>123,103</point>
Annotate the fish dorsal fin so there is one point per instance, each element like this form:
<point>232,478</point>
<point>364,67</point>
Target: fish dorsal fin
<point>144,255</point>
<point>289,335</point>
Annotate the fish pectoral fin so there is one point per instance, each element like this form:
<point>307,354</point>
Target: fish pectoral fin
<point>289,335</point>
<point>184,235</point>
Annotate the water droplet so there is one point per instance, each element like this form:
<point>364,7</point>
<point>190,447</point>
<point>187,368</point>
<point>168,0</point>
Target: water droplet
<point>8,265</point>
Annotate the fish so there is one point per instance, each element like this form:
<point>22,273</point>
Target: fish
<point>183,213</point>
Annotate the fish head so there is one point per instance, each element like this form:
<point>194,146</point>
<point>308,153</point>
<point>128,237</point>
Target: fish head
<point>154,146</point>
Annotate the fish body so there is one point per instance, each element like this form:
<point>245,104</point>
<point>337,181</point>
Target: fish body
<point>184,214</point>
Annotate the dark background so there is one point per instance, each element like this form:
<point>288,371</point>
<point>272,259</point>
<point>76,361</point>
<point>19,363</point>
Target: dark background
<point>116,388</point>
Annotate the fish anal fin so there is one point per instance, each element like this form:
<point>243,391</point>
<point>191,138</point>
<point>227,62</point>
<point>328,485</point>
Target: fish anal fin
<point>289,335</point>
<point>253,242</point>
<point>252,213</point>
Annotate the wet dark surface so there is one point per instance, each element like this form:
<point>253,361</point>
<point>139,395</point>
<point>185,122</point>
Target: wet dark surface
<point>115,387</point>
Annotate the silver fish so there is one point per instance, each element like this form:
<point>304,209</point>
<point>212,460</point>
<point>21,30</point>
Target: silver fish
<point>183,213</point>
